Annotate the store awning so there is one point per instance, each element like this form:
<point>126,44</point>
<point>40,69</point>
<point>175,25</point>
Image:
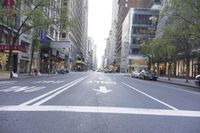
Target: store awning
<point>14,47</point>
<point>80,62</point>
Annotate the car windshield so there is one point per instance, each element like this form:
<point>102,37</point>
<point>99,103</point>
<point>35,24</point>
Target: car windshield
<point>99,66</point>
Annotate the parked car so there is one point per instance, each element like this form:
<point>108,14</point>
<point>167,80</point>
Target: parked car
<point>135,74</point>
<point>197,80</point>
<point>148,75</point>
<point>63,71</point>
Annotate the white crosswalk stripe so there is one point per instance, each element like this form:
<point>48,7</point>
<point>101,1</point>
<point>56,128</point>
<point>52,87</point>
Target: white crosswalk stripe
<point>23,89</point>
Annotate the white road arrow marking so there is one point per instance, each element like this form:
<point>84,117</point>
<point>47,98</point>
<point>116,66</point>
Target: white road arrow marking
<point>89,82</point>
<point>100,78</point>
<point>102,89</point>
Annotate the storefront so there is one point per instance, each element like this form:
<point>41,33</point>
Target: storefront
<point>137,63</point>
<point>3,61</point>
<point>4,50</point>
<point>80,65</point>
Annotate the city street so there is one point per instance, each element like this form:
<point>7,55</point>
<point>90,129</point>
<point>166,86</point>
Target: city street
<point>95,102</point>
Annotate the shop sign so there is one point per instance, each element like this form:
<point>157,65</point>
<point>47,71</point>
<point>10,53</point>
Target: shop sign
<point>9,3</point>
<point>14,47</point>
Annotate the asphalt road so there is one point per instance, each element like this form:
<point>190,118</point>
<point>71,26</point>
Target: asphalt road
<point>92,102</point>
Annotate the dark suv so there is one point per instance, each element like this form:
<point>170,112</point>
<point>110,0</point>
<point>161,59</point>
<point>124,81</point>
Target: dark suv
<point>148,75</point>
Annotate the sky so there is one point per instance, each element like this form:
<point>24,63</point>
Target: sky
<point>99,24</point>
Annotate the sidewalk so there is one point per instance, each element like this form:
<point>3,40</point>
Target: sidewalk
<point>4,76</point>
<point>22,76</point>
<point>178,81</point>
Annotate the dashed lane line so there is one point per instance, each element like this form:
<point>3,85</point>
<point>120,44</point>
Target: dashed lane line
<point>171,107</point>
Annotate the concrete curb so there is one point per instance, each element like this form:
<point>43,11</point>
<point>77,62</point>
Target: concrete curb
<point>196,87</point>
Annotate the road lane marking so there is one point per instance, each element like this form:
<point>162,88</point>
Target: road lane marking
<point>103,110</point>
<point>102,89</point>
<point>102,82</point>
<point>172,86</point>
<point>48,82</point>
<point>180,89</point>
<point>7,82</point>
<point>57,93</point>
<point>150,96</point>
<point>49,93</point>
<point>23,89</point>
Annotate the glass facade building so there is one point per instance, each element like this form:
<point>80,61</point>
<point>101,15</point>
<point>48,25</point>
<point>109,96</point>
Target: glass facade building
<point>139,26</point>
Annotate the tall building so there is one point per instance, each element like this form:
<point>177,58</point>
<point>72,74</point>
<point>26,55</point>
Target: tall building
<point>108,50</point>
<point>94,58</point>
<point>43,58</point>
<point>90,54</point>
<point>22,48</point>
<point>77,11</point>
<point>123,8</point>
<point>51,56</point>
<point>137,28</point>
<point>113,32</point>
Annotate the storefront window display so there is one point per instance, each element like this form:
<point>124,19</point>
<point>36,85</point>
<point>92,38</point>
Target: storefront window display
<point>3,61</point>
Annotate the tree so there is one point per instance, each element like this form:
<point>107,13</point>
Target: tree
<point>184,29</point>
<point>34,15</point>
<point>147,50</point>
<point>159,49</point>
<point>186,11</point>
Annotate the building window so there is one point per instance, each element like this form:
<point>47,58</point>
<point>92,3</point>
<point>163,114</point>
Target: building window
<point>140,30</point>
<point>63,35</point>
<point>135,51</point>
<point>142,19</point>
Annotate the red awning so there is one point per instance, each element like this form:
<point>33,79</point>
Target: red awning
<point>15,47</point>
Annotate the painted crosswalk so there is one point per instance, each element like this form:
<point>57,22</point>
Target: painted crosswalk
<point>48,82</point>
<point>23,89</point>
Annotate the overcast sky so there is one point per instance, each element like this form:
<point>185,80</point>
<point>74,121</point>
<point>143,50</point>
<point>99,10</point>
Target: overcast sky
<point>99,23</point>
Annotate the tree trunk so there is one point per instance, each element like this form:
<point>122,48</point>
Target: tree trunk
<point>158,68</point>
<point>149,67</point>
<point>187,68</point>
<point>175,63</point>
<point>10,57</point>
<point>187,62</point>
<point>165,69</point>
<point>169,71</point>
